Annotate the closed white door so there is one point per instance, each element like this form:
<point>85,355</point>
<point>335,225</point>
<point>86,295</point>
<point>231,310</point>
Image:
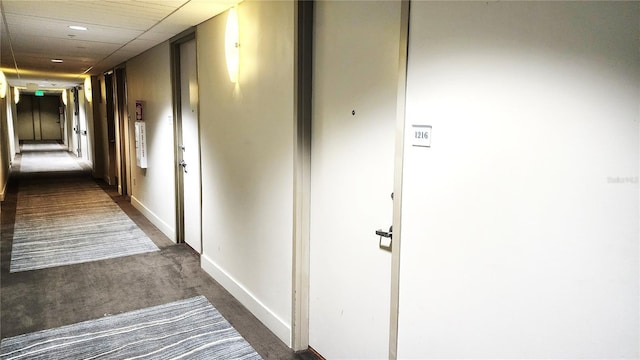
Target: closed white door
<point>354,111</point>
<point>190,145</point>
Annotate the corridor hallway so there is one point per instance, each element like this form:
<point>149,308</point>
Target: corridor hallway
<point>51,297</point>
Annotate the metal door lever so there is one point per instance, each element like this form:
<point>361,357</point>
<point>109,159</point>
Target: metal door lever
<point>184,165</point>
<point>385,234</point>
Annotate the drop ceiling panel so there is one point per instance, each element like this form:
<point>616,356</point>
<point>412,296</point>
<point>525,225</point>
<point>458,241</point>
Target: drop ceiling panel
<point>65,48</point>
<point>24,27</point>
<point>117,31</point>
<point>74,66</point>
<point>138,15</point>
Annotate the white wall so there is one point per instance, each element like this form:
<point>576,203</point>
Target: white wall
<point>520,223</point>
<point>247,160</point>
<point>153,189</point>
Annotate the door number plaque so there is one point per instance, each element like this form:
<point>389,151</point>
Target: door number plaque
<point>421,135</point>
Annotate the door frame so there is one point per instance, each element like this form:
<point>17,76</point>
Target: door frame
<point>121,117</point>
<point>76,120</point>
<point>111,134</point>
<point>403,58</point>
<point>304,28</point>
<point>176,95</point>
<point>303,101</point>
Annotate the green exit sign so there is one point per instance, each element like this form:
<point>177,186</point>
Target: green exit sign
<point>39,92</point>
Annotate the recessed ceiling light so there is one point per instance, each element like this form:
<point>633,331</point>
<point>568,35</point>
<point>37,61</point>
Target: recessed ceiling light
<point>77,27</point>
<point>57,60</point>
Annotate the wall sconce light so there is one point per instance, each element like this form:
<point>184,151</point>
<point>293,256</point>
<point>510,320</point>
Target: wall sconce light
<point>232,45</point>
<point>16,94</point>
<point>87,88</point>
<point>3,85</point>
<point>64,97</point>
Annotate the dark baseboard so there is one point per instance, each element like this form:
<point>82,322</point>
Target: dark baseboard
<point>309,354</point>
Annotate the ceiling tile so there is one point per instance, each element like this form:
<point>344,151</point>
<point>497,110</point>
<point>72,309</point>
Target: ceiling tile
<point>23,27</point>
<point>126,14</point>
<point>118,31</point>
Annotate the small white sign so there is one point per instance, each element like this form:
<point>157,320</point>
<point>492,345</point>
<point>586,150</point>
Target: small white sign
<point>141,144</point>
<point>421,135</point>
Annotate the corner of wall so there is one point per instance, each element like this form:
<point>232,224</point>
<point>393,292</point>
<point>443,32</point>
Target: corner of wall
<point>166,229</point>
<point>278,326</point>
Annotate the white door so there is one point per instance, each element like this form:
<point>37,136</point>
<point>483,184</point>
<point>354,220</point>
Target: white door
<point>354,111</point>
<point>190,145</point>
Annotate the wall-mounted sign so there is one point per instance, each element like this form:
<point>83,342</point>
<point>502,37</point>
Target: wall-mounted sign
<point>39,93</point>
<point>141,144</point>
<point>421,135</point>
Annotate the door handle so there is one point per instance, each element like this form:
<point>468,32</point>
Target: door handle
<point>184,165</point>
<point>387,235</point>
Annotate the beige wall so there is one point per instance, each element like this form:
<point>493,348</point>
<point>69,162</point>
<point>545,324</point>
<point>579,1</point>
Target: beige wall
<point>12,121</point>
<point>86,125</point>
<point>4,148</point>
<point>153,189</point>
<point>73,122</point>
<point>8,139</point>
<point>100,140</point>
<point>247,160</point>
<point>69,122</point>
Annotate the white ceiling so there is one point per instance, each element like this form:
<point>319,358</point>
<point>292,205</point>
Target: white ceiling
<point>35,31</point>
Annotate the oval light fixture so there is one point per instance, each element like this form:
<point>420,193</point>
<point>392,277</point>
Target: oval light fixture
<point>16,94</point>
<point>64,97</point>
<point>57,61</point>
<point>232,45</point>
<point>77,27</point>
<point>87,88</point>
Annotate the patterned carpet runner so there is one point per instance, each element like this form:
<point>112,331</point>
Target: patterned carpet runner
<point>47,157</point>
<point>70,221</point>
<point>186,329</point>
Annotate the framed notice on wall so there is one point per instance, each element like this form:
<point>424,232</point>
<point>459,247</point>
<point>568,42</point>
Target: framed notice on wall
<point>141,144</point>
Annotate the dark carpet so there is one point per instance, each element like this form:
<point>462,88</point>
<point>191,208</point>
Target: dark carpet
<point>53,297</point>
